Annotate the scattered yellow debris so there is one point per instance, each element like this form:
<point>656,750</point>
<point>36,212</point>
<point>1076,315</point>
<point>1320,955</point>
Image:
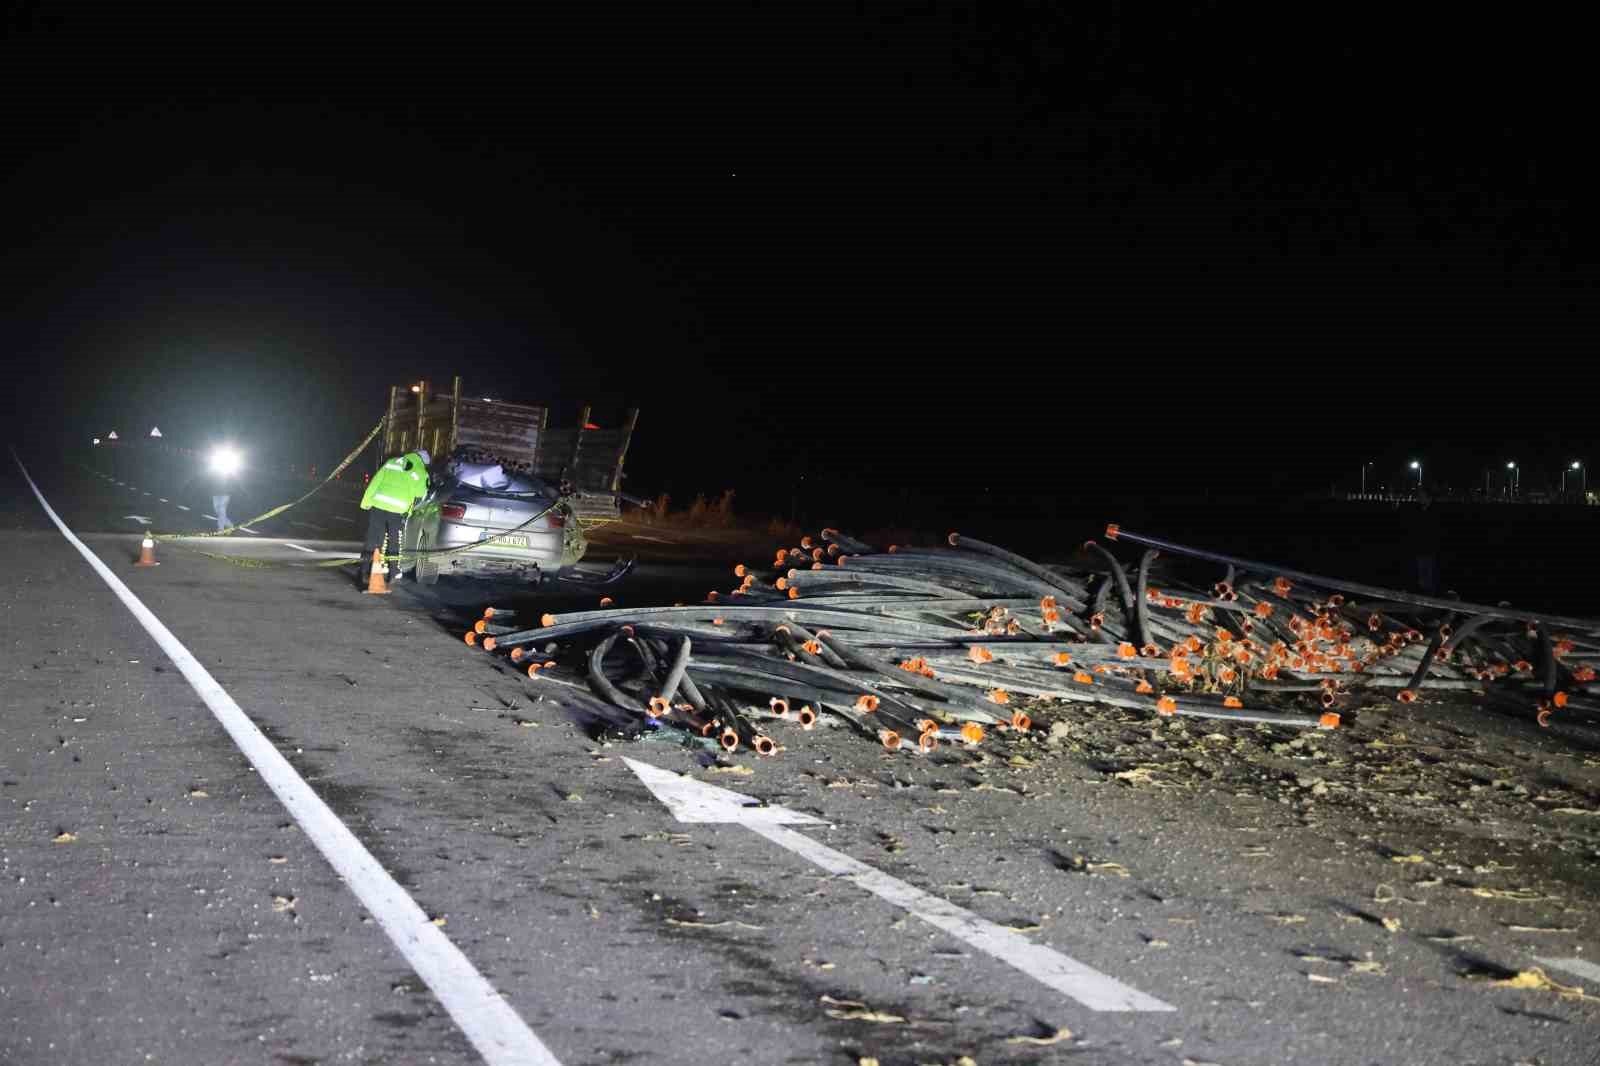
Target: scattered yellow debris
<point>277,860</point>
<point>1407,858</point>
<point>440,920</point>
<point>199,793</point>
<point>65,837</point>
<point>855,1011</point>
<point>1521,895</point>
<point>1107,868</point>
<point>1059,1036</point>
<point>738,770</point>
<point>1537,980</point>
<point>690,923</point>
<point>284,903</point>
<point>1391,924</point>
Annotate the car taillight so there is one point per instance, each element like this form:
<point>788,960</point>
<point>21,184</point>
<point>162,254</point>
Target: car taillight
<point>453,510</point>
<point>555,521</point>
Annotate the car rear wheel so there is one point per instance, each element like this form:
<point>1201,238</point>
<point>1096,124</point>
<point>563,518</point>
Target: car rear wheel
<point>427,562</point>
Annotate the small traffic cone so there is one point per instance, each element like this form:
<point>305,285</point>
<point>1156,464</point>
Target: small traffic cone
<point>147,553</point>
<point>376,585</point>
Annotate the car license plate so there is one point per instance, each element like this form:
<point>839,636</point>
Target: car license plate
<point>507,540</point>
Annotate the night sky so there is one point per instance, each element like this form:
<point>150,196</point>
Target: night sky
<point>903,250</point>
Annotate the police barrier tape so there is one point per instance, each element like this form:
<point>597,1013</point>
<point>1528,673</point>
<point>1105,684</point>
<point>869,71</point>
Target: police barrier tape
<point>398,557</point>
<point>318,487</point>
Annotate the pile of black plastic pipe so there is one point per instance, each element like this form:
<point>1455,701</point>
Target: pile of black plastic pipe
<point>918,646</point>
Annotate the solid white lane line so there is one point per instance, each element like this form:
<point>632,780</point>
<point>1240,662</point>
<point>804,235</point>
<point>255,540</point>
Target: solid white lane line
<point>296,547</point>
<point>342,518</point>
<point>1581,967</point>
<point>250,531</point>
<point>489,1022</point>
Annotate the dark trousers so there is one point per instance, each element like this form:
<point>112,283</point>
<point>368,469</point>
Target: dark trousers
<point>381,525</point>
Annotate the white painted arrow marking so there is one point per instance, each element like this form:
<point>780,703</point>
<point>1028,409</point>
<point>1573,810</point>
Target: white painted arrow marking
<point>1581,967</point>
<point>141,519</point>
<point>693,801</point>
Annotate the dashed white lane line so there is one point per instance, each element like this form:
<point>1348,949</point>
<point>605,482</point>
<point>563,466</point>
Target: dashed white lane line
<point>342,518</point>
<point>180,507</point>
<point>489,1022</point>
<point>1581,967</point>
<point>163,499</point>
<point>147,494</point>
<point>250,531</point>
<point>296,547</point>
<point>214,517</point>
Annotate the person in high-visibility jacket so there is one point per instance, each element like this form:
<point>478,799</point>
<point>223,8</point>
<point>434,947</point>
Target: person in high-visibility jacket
<point>390,495</point>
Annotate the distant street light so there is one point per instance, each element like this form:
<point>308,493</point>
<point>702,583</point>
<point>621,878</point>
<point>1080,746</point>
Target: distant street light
<point>1416,465</point>
<point>1583,471</point>
<point>1364,476</point>
<point>1516,477</point>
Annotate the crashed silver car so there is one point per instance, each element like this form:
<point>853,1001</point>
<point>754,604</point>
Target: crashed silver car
<point>480,521</point>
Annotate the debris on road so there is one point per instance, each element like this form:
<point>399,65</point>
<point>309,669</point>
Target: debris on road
<point>915,647</point>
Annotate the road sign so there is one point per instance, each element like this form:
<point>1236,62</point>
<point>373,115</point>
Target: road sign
<point>155,431</point>
<point>694,801</point>
<point>112,436</point>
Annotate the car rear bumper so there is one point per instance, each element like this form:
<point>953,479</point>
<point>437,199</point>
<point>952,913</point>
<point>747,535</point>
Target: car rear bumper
<point>543,553</point>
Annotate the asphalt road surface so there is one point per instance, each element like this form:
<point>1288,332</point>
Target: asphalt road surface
<point>312,826</point>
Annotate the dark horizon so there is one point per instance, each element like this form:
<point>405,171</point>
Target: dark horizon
<point>1050,252</point>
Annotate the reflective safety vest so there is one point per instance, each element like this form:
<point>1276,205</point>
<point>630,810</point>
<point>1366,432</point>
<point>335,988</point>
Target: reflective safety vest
<point>397,485</point>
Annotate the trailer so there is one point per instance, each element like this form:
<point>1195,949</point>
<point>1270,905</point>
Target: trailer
<point>526,520</point>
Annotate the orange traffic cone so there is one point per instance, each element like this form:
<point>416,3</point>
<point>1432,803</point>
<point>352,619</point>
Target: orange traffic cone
<point>147,553</point>
<point>376,585</point>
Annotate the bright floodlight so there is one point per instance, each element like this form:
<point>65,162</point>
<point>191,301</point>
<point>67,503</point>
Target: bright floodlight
<point>1415,465</point>
<point>225,461</point>
<point>1575,465</point>
<point>1511,466</point>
